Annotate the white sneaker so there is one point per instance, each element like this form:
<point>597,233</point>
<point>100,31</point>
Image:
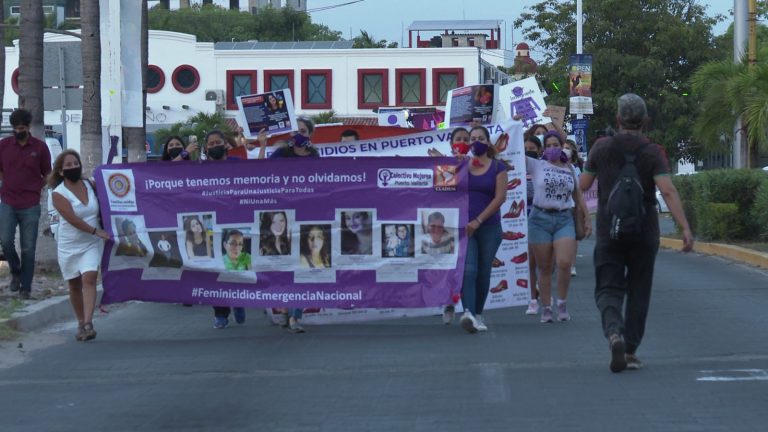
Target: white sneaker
<point>448,313</point>
<point>533,307</point>
<point>573,270</point>
<point>480,324</point>
<point>468,322</point>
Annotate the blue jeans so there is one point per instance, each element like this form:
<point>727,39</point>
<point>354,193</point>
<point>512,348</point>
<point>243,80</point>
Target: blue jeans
<point>27,220</point>
<point>295,313</point>
<point>481,249</point>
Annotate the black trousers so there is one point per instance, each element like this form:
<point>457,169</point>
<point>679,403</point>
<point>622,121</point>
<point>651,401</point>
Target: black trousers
<point>221,311</point>
<point>624,270</point>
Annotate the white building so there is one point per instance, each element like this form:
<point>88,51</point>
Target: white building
<point>186,77</point>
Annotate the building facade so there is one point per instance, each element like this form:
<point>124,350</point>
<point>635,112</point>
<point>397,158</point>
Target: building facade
<point>186,77</point>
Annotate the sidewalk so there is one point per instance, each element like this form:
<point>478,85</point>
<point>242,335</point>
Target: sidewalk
<point>735,253</point>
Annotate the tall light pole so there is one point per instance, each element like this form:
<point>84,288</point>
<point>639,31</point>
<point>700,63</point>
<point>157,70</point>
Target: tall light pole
<point>739,44</point>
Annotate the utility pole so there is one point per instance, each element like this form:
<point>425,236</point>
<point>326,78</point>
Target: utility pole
<point>752,152</point>
<point>739,44</point>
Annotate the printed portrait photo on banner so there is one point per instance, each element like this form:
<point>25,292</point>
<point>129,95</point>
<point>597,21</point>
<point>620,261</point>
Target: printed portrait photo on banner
<point>439,230</point>
<point>315,246</point>
<point>356,232</point>
<point>166,249</point>
<point>198,236</point>
<point>129,243</point>
<point>397,241</point>
<point>235,247</point>
<point>274,233</point>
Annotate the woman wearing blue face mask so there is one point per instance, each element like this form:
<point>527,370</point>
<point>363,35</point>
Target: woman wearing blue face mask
<point>551,230</point>
<point>300,145</point>
<point>487,192</point>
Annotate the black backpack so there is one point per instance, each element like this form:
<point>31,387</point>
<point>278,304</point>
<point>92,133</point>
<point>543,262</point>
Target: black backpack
<point>626,208</point>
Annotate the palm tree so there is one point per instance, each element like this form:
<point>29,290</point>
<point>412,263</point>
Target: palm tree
<point>90,46</point>
<point>31,63</point>
<point>728,91</point>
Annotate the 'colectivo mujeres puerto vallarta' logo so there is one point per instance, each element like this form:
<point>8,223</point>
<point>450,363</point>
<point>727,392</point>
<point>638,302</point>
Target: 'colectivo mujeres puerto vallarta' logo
<point>119,184</point>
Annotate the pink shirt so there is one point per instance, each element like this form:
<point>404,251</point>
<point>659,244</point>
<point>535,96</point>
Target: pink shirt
<point>24,171</point>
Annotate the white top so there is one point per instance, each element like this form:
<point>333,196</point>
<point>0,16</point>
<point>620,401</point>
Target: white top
<point>552,185</point>
<point>70,239</point>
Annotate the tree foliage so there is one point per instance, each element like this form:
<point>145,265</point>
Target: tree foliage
<point>211,23</point>
<point>198,125</point>
<point>367,40</point>
<point>649,47</point>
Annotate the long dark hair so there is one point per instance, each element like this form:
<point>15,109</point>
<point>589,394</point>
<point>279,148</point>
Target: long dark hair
<point>166,156</point>
<point>350,243</point>
<point>268,244</point>
<point>325,252</point>
<point>190,236</point>
<point>54,178</point>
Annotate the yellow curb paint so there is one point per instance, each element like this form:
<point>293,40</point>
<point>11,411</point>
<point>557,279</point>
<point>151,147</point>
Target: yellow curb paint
<point>735,253</point>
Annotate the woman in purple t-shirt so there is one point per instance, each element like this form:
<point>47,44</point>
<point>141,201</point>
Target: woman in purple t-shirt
<point>487,192</point>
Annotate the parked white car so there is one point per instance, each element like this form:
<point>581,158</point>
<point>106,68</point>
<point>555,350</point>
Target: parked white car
<point>661,205</point>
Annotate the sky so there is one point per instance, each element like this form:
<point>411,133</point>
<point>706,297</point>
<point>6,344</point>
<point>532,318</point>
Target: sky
<point>384,19</point>
<point>389,19</point>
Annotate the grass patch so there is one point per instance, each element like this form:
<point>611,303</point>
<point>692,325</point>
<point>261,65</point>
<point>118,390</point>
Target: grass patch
<point>7,333</point>
<point>12,306</point>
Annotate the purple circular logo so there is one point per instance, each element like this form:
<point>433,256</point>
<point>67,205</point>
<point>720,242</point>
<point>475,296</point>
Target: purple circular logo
<point>392,119</point>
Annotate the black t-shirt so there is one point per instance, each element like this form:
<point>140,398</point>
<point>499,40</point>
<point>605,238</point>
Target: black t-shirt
<point>606,158</point>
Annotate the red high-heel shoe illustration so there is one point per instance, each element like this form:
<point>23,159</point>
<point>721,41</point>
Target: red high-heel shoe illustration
<point>500,287</point>
<point>522,283</point>
<point>515,182</point>
<point>497,263</point>
<point>512,235</point>
<point>515,209</point>
<point>519,259</point>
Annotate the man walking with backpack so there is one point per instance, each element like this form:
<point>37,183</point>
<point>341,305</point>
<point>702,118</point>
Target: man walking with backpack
<point>628,168</point>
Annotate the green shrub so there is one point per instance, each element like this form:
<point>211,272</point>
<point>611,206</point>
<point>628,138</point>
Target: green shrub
<point>760,211</point>
<point>720,222</point>
<point>704,194</point>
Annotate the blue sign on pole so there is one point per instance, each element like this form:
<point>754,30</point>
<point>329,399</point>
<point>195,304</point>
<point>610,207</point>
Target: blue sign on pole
<point>580,127</point>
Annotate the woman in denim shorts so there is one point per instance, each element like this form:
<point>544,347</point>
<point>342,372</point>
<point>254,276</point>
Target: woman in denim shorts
<point>551,231</point>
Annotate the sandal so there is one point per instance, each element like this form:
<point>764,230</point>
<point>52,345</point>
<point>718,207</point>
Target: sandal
<point>88,332</point>
<point>80,335</point>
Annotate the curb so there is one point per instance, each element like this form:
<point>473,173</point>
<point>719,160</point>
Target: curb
<point>42,314</point>
<point>735,253</point>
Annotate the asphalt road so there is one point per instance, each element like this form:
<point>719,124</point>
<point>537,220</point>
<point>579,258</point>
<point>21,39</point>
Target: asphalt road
<point>157,367</point>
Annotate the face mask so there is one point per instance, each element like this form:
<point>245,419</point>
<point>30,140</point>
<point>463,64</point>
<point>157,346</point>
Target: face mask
<point>21,136</point>
<point>175,152</point>
<point>300,140</point>
<point>532,154</point>
<point>73,174</point>
<point>461,148</point>
<point>554,154</point>
<point>217,152</point>
<point>568,153</point>
<point>479,148</point>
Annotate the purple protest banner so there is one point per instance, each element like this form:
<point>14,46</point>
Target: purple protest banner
<point>331,233</point>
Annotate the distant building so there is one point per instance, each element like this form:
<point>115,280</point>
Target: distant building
<point>186,77</point>
<point>525,66</point>
<point>462,34</point>
<point>253,5</point>
<point>64,9</point>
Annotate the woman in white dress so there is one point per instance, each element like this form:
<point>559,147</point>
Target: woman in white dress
<point>80,238</point>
